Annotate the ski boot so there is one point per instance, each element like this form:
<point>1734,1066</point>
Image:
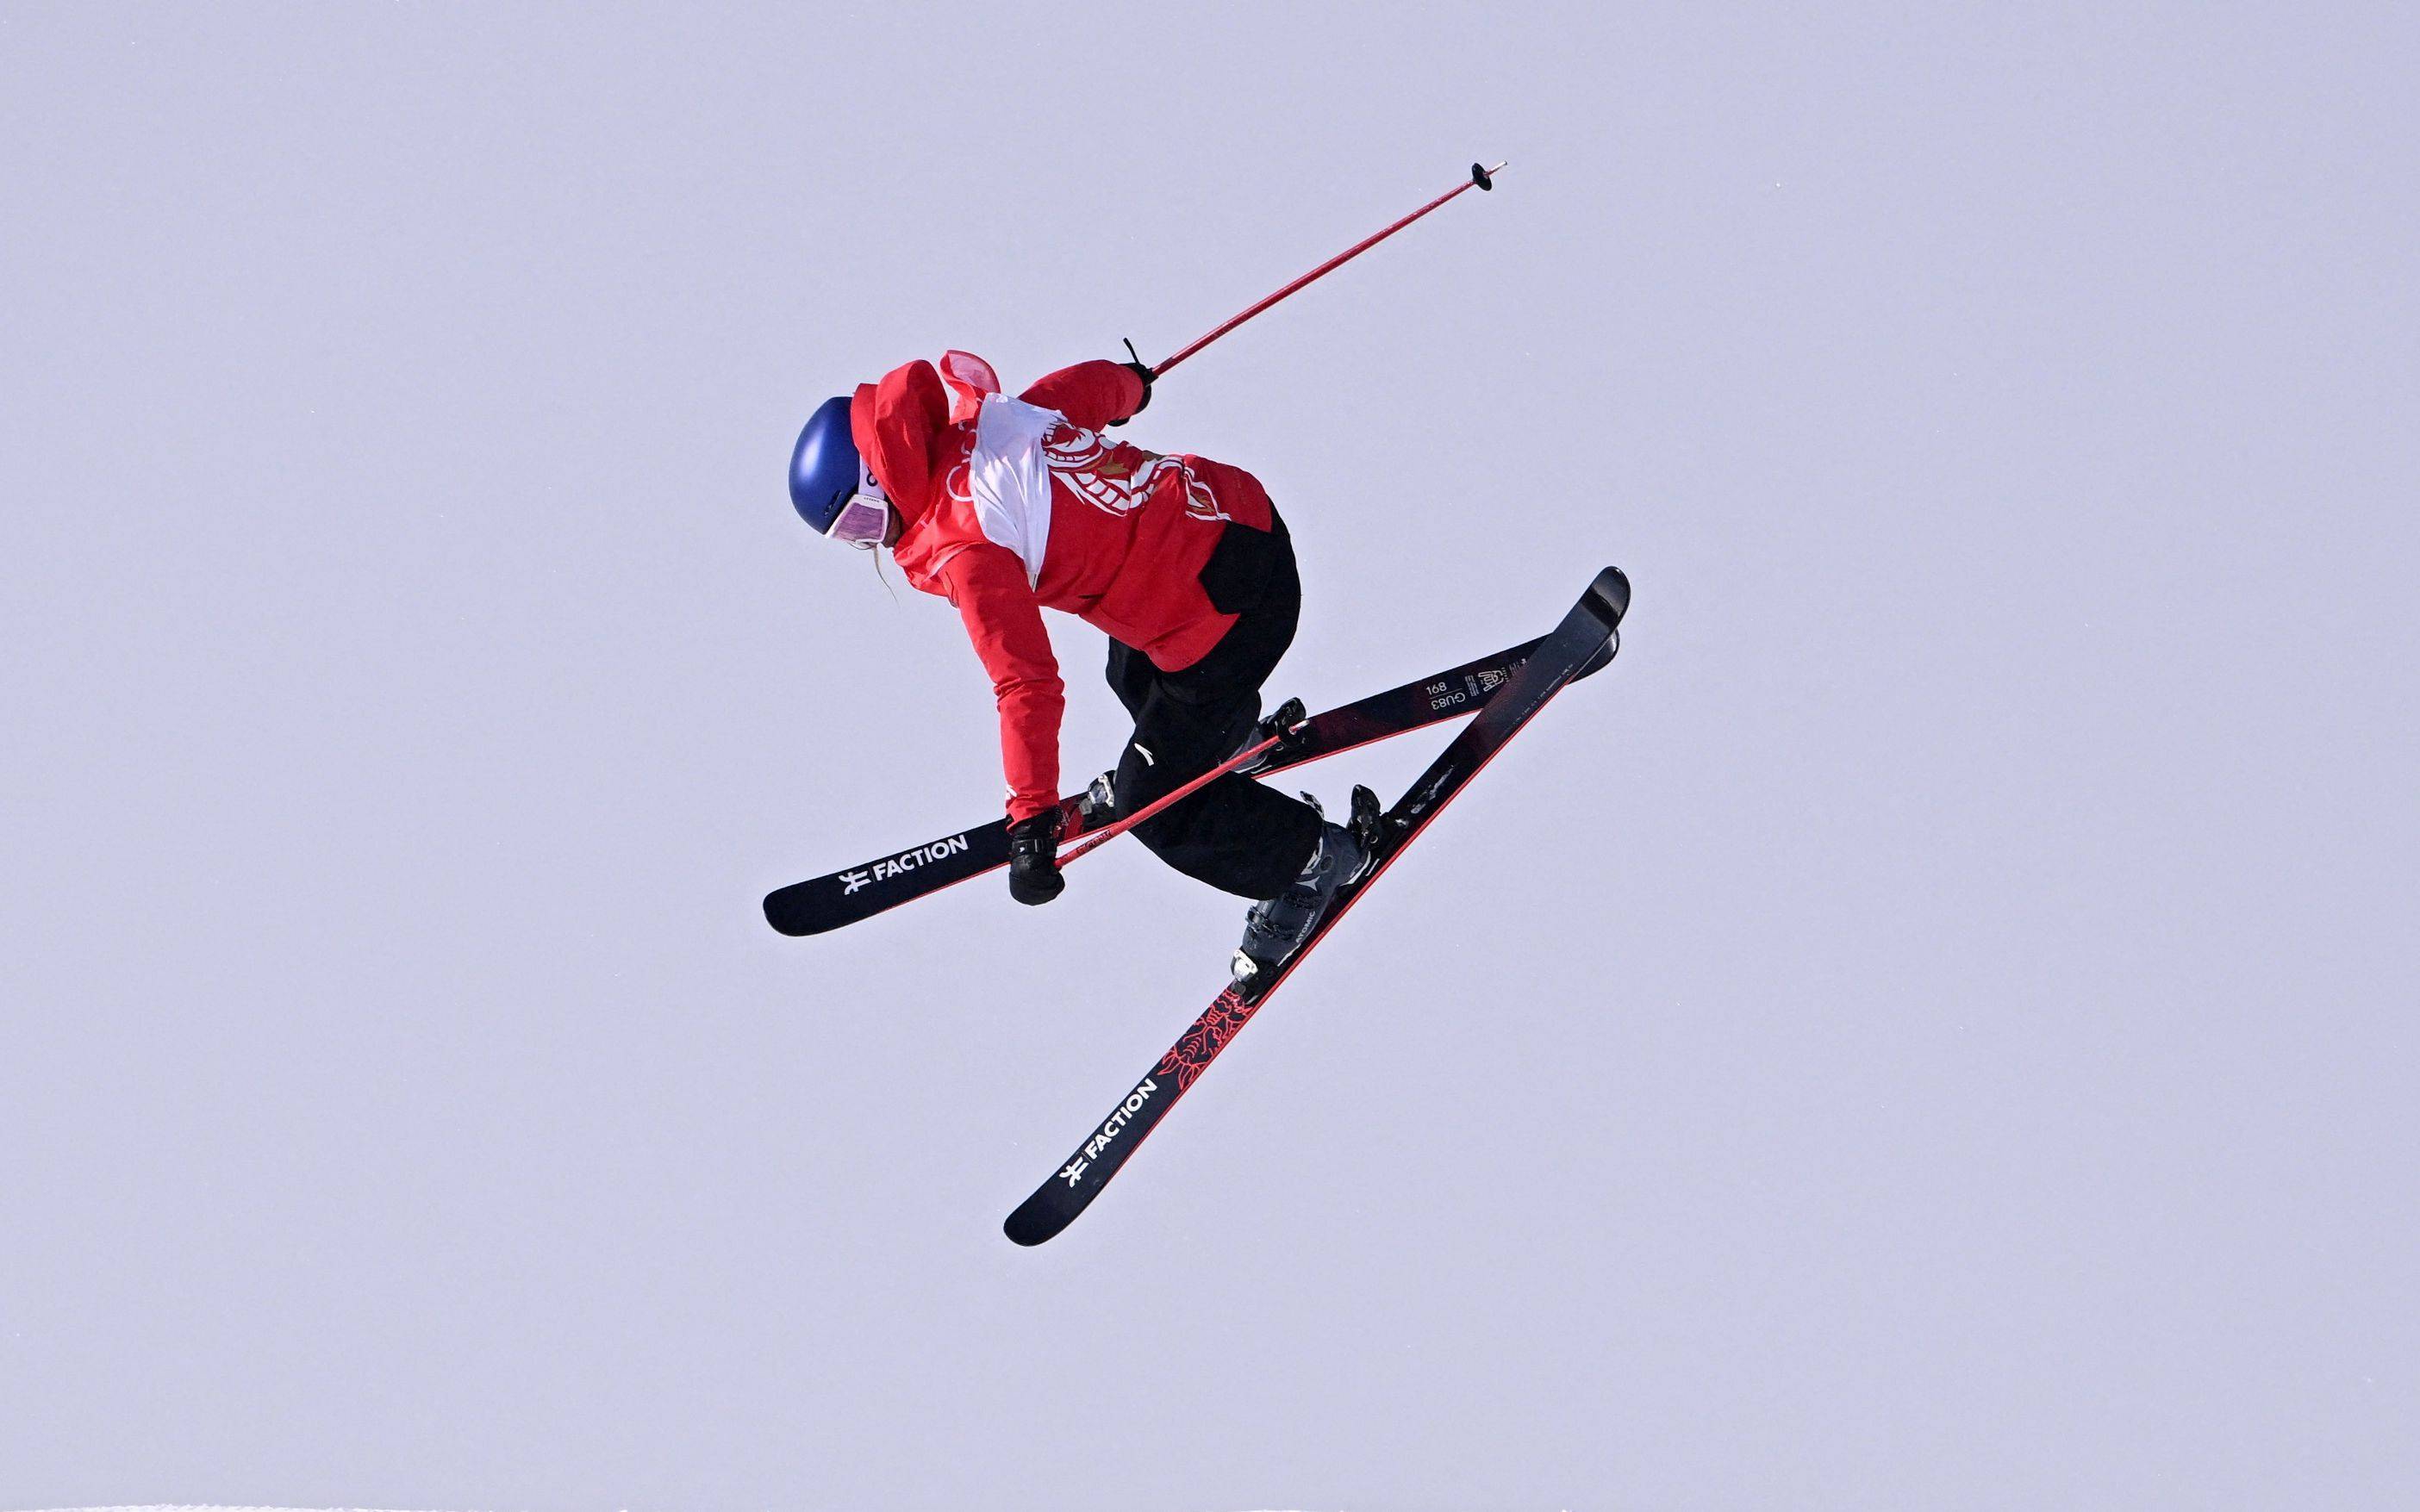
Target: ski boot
<point>1279,726</point>
<point>1275,928</point>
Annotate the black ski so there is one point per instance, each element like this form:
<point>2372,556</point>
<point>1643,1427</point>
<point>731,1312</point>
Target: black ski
<point>845,897</point>
<point>1581,643</point>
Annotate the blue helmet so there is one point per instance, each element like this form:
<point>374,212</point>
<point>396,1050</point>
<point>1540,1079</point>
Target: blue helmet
<point>824,465</point>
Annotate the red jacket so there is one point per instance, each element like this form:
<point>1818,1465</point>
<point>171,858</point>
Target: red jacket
<point>1011,506</point>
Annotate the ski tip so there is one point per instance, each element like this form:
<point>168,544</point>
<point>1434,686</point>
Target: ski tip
<point>1033,1224</point>
<point>1611,594</point>
<point>786,913</point>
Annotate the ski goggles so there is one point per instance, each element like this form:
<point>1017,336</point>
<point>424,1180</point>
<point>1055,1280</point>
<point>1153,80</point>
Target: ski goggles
<point>865,519</point>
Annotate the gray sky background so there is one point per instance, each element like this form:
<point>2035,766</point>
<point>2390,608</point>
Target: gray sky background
<point>1928,1028</point>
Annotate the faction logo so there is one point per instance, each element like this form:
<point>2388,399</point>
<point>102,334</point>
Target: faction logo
<point>903,862</point>
<point>1112,1127</point>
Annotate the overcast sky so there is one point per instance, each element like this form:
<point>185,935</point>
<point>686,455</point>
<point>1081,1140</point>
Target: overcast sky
<point>1927,1028</point>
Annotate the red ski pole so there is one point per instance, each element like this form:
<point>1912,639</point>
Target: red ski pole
<point>1480,178</point>
<point>1092,841</point>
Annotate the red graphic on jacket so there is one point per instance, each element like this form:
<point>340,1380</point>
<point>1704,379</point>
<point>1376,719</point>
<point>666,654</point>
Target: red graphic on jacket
<point>1130,531</point>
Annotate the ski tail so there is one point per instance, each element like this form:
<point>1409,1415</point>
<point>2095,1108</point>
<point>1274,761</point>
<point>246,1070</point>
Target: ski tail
<point>1581,644</point>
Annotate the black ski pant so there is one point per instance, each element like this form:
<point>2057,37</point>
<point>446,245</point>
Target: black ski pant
<point>1236,833</point>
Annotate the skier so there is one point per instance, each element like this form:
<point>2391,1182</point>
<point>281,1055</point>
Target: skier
<point>1009,505</point>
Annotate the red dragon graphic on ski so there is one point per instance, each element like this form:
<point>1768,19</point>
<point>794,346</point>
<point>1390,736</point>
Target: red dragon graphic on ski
<point>1223,1021</point>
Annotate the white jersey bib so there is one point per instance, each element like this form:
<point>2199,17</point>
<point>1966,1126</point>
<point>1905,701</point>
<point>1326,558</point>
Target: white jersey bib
<point>1009,478</point>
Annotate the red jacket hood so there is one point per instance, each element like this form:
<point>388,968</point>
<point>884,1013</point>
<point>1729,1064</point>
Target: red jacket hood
<point>902,424</point>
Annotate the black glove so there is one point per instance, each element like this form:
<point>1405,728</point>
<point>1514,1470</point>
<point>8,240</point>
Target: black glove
<point>1034,860</point>
<point>1143,372</point>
